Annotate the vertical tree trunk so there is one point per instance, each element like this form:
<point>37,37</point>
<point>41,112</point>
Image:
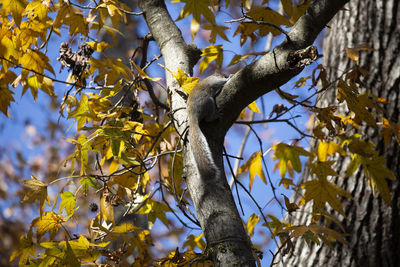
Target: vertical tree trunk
<point>372,226</point>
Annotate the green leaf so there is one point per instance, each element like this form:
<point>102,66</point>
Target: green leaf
<point>68,203</point>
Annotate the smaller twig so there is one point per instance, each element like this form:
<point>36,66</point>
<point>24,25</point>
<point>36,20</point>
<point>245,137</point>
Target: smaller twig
<point>234,179</point>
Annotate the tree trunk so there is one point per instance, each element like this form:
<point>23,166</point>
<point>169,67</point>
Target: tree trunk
<point>372,226</point>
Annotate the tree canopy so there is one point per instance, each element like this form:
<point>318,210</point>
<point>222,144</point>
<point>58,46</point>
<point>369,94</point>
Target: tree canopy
<point>120,185</point>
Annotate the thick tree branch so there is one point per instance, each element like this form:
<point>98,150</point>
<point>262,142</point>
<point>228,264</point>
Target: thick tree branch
<point>215,207</point>
<point>274,69</point>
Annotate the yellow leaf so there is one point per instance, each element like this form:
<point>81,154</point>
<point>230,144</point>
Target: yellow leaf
<point>143,74</point>
<point>322,169</point>
<point>106,209</point>
<point>389,129</point>
<point>49,222</point>
<point>9,49</point>
<point>16,8</point>
<point>286,182</point>
<point>114,165</point>
<point>38,82</point>
<point>318,230</point>
<point>216,30</point>
<point>72,17</point>
<point>211,53</point>
<point>68,203</point>
<point>354,52</point>
<point>254,165</point>
<point>36,9</point>
<point>185,82</point>
<point>25,249</point>
<point>5,99</point>
<point>197,8</point>
<point>289,156</point>
<point>194,241</point>
<point>287,7</point>
<point>356,103</point>
<point>348,120</point>
<point>265,14</point>
<point>376,171</point>
<point>321,192</point>
<point>38,191</point>
<point>253,107</point>
<point>236,59</point>
<point>155,210</point>
<point>36,61</point>
<point>99,46</point>
<point>125,228</point>
<point>251,224</point>
<point>325,149</point>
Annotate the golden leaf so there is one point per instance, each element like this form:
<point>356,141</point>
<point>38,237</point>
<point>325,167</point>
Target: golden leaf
<point>38,191</point>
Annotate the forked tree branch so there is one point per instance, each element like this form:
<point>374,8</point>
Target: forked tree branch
<point>222,226</point>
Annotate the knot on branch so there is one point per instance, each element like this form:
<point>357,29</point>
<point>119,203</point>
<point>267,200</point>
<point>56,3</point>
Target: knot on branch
<point>303,57</point>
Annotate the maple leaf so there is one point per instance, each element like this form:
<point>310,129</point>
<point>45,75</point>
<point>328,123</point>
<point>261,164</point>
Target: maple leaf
<point>36,9</point>
<point>322,169</point>
<point>301,230</point>
<point>216,30</point>
<point>143,74</point>
<point>36,61</point>
<point>155,210</point>
<point>38,192</point>
<point>355,103</point>
<point>72,17</point>
<point>125,228</point>
<point>16,8</point>
<point>185,82</point>
<point>262,14</point>
<point>193,241</point>
<point>25,249</point>
<point>68,203</point>
<point>49,222</point>
<point>321,191</point>
<point>289,157</point>
<point>389,129</point>
<point>376,171</point>
<point>254,165</point>
<point>328,148</point>
<point>211,53</point>
<point>35,82</point>
<point>5,99</point>
<point>197,8</point>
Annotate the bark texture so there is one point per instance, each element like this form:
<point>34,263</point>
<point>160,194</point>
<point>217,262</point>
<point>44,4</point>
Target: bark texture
<point>372,226</point>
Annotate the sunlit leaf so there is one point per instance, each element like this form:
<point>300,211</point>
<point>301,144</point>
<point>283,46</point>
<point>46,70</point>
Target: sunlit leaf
<point>287,154</point>
<point>68,203</point>
<point>49,222</point>
<point>211,53</point>
<point>254,166</point>
<point>37,192</point>
<point>251,224</point>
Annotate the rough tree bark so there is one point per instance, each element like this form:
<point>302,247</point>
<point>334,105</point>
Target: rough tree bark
<point>372,226</point>
<point>212,198</point>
